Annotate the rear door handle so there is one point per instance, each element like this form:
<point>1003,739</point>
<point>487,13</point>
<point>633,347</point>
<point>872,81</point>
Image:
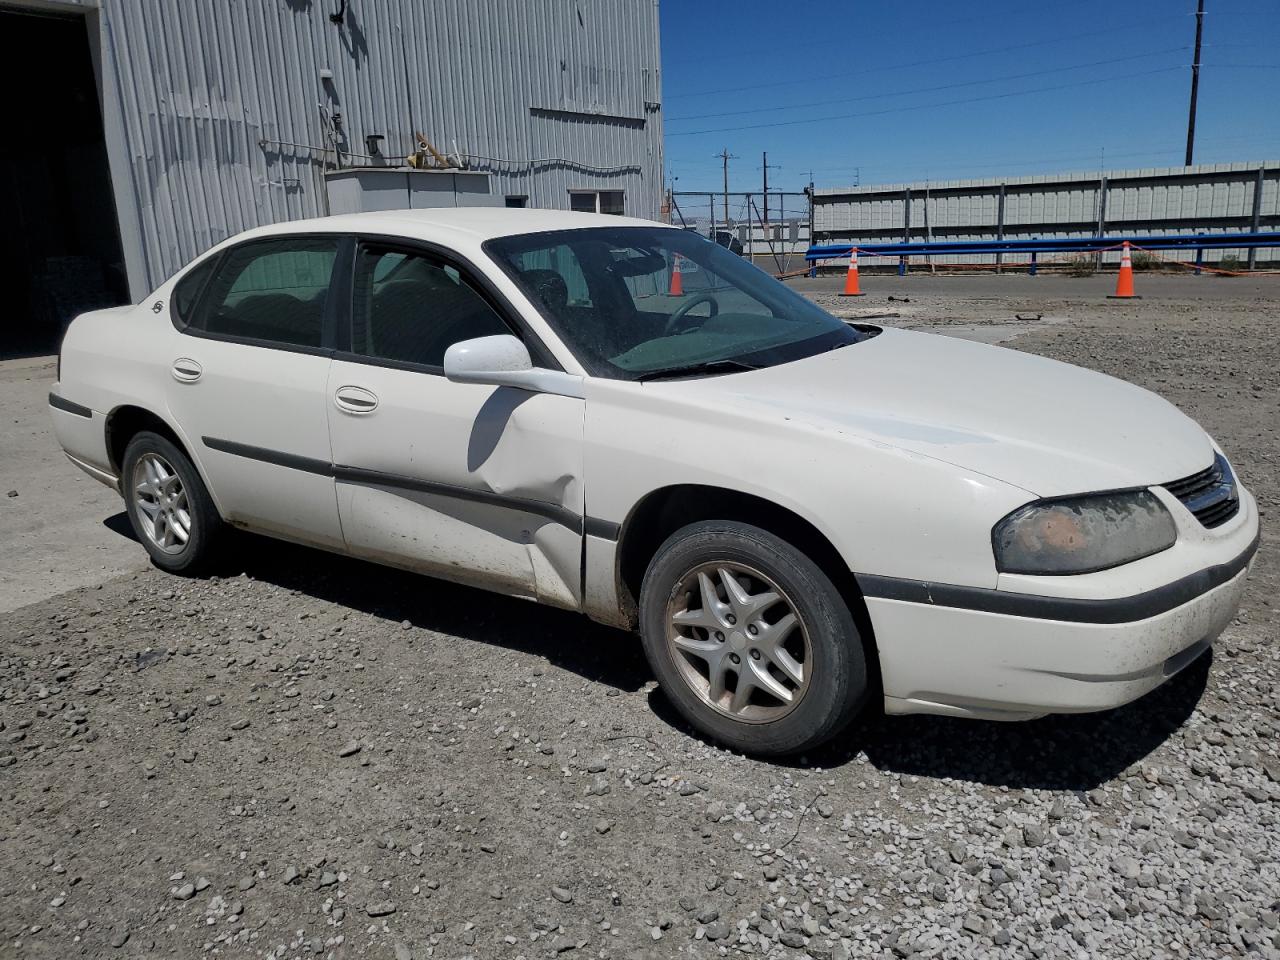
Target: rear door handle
<point>356,400</point>
<point>186,370</point>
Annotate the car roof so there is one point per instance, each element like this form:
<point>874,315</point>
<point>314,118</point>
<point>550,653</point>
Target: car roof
<point>476,224</point>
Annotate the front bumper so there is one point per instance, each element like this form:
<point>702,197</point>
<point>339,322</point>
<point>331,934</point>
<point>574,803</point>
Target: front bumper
<point>1012,656</point>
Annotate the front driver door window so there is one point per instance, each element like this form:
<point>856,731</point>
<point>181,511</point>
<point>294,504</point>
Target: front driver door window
<point>410,309</point>
<point>466,482</point>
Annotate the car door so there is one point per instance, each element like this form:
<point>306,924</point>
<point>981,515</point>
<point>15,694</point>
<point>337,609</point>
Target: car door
<point>248,384</point>
<point>476,484</point>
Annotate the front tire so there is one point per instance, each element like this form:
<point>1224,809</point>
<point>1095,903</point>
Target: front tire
<point>750,640</point>
<point>168,505</point>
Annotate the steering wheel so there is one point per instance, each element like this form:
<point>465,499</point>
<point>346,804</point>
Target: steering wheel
<point>674,322</point>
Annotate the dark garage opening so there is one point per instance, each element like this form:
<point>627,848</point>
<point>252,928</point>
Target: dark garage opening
<point>60,242</point>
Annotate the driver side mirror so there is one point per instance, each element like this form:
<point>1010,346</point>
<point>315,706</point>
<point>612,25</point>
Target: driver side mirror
<point>504,361</point>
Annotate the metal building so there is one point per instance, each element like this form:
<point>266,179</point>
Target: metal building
<point>1206,198</point>
<point>156,128</point>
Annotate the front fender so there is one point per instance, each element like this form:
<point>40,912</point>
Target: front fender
<point>887,511</point>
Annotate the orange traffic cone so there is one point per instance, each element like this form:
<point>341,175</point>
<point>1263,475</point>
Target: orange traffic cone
<point>851,278</point>
<point>1124,280</point>
<point>677,285</point>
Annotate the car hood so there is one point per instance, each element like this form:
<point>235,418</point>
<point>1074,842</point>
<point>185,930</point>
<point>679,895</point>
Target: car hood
<point>1045,426</point>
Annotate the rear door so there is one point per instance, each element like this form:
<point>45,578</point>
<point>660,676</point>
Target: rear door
<point>248,383</point>
<point>471,483</point>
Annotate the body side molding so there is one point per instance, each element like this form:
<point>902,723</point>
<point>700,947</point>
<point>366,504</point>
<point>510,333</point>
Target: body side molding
<point>550,511</point>
<point>62,403</point>
<point>604,529</point>
<point>280,459</point>
<point>1140,606</point>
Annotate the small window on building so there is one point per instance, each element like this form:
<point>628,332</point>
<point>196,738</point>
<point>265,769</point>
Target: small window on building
<point>517,201</point>
<point>611,202</point>
<point>596,201</point>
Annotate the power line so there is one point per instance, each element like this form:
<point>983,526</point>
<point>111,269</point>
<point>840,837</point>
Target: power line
<point>945,86</point>
<point>809,44</point>
<point>1265,144</point>
<point>1066,165</point>
<point>914,63</point>
<point>923,106</point>
<point>1058,161</point>
<point>1249,141</point>
<point>1214,145</point>
<point>1059,164</point>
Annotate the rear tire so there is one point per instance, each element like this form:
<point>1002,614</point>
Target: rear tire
<point>168,505</point>
<point>776,622</point>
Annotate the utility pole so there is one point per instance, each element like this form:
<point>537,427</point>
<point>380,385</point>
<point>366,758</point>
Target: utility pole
<point>814,267</point>
<point>764,166</point>
<point>669,206</point>
<point>764,218</point>
<point>1195,82</point>
<point>928,230</point>
<point>726,156</point>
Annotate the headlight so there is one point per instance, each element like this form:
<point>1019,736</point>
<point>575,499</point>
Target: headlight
<point>1082,534</point>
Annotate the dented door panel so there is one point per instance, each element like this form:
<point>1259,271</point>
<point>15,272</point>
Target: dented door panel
<point>480,485</point>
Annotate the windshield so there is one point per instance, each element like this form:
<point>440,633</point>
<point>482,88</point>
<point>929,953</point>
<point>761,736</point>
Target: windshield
<point>632,302</point>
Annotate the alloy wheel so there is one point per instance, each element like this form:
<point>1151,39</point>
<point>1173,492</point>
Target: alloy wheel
<point>161,503</point>
<point>738,642</point>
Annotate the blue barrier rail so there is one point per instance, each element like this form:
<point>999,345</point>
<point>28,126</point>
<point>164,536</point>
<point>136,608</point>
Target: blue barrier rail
<point>1198,242</point>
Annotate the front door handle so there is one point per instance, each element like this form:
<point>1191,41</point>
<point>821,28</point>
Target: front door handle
<point>356,400</point>
<point>186,370</point>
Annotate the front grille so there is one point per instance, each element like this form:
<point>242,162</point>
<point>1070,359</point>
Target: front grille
<point>1196,483</point>
<point>1210,494</point>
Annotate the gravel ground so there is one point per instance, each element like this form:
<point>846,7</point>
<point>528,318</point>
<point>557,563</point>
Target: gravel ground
<point>315,757</point>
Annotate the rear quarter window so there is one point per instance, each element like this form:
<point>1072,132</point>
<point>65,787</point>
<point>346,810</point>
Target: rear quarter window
<point>186,293</point>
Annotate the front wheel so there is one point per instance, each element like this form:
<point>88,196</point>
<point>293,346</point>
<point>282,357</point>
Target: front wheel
<point>750,640</point>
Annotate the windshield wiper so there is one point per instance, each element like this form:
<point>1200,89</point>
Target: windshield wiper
<point>694,369</point>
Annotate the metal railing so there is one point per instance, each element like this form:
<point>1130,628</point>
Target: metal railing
<point>1035,246</point>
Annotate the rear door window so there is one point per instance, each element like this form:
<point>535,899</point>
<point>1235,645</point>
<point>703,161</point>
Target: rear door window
<point>272,291</point>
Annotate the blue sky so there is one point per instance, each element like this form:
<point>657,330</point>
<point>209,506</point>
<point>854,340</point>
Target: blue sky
<point>947,90</point>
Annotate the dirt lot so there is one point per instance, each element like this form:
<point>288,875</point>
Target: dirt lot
<point>314,757</point>
<point>51,518</point>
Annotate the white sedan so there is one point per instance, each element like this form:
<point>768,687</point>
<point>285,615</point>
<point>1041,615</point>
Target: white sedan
<point>612,416</point>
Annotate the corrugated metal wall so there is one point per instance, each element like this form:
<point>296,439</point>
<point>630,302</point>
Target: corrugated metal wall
<point>573,84</point>
<point>1206,198</point>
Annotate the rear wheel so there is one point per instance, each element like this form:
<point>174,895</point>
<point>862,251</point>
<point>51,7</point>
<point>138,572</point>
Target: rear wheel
<point>168,504</point>
<point>750,640</point>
